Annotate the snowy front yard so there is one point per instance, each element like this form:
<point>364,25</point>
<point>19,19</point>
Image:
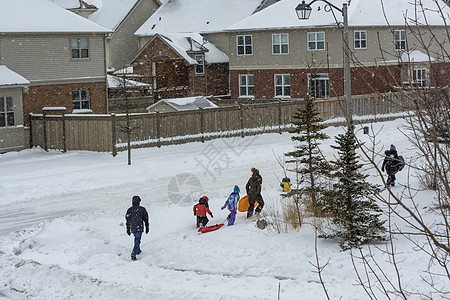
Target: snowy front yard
<point>63,234</point>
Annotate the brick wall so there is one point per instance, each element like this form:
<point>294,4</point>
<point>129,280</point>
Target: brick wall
<point>59,95</point>
<point>175,77</point>
<point>364,81</point>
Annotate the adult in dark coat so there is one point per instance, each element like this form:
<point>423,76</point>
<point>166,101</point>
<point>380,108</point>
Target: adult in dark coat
<point>253,188</point>
<point>136,218</point>
<point>392,164</point>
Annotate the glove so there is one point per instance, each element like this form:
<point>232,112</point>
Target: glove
<point>212,216</point>
<point>128,232</point>
<point>146,230</point>
<point>195,213</point>
<point>222,208</point>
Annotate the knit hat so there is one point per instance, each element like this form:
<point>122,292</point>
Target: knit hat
<point>392,148</point>
<point>136,200</point>
<point>236,189</point>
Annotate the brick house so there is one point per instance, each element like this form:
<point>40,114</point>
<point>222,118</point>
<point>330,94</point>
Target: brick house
<point>172,39</point>
<point>275,55</point>
<point>61,54</point>
<point>182,65</point>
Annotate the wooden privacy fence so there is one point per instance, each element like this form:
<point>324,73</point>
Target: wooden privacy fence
<point>107,133</point>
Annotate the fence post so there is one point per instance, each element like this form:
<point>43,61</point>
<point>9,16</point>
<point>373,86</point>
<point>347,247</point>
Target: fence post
<point>241,119</point>
<point>158,129</point>
<point>44,124</point>
<point>202,125</point>
<point>30,118</point>
<point>280,117</point>
<point>64,131</point>
<point>113,134</point>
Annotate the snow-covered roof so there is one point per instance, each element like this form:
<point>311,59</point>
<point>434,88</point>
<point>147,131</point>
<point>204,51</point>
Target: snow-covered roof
<point>118,82</point>
<point>112,12</point>
<point>73,4</point>
<point>182,43</point>
<point>9,77</point>
<point>197,15</point>
<point>415,56</point>
<point>188,103</point>
<point>360,13</point>
<point>25,16</point>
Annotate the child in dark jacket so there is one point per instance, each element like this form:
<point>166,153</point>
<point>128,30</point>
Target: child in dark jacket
<point>200,210</point>
<point>231,204</point>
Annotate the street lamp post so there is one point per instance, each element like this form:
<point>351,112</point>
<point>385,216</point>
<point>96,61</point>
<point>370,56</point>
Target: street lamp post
<point>303,11</point>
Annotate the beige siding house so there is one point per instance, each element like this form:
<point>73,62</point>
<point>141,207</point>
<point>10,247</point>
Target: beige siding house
<point>274,55</point>
<point>12,133</point>
<point>61,54</point>
<point>122,17</point>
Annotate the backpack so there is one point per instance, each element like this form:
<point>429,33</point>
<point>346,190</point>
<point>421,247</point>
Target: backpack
<point>400,163</point>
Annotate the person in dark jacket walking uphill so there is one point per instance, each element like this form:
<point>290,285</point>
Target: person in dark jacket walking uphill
<point>136,217</point>
<point>253,188</point>
<point>392,164</point>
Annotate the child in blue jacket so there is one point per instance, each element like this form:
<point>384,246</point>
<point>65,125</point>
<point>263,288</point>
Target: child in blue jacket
<point>231,204</point>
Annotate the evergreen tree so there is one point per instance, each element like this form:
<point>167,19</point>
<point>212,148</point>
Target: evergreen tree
<point>351,204</point>
<point>308,160</point>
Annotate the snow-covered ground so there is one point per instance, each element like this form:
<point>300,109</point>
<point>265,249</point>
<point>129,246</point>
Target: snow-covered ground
<point>62,233</point>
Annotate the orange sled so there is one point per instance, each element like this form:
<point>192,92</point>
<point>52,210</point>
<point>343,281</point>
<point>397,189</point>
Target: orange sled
<point>243,204</point>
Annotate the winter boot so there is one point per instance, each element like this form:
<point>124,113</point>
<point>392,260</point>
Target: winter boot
<point>133,256</point>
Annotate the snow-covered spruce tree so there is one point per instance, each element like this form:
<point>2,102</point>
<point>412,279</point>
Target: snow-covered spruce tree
<point>309,164</point>
<point>354,213</point>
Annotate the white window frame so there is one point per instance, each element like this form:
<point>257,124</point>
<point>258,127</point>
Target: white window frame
<point>249,88</point>
<point>359,39</point>
<point>7,112</point>
<point>283,47</point>
<point>79,100</point>
<point>79,45</point>
<point>314,41</point>
<point>200,67</point>
<point>420,77</point>
<point>400,39</point>
<point>246,45</point>
<point>313,79</point>
<point>284,84</point>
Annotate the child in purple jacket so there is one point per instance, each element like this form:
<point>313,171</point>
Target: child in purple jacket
<point>231,204</point>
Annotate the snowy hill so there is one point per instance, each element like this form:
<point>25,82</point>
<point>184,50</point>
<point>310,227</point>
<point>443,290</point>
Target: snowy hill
<point>62,234</point>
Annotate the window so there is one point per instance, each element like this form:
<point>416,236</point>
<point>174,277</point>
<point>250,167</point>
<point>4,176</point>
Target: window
<point>200,68</point>
<point>80,99</point>
<point>244,45</point>
<point>400,39</point>
<point>6,112</point>
<point>246,85</point>
<point>319,85</point>
<point>316,40</point>
<point>282,85</point>
<point>360,39</point>
<point>80,48</point>
<point>420,77</point>
<point>280,43</point>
